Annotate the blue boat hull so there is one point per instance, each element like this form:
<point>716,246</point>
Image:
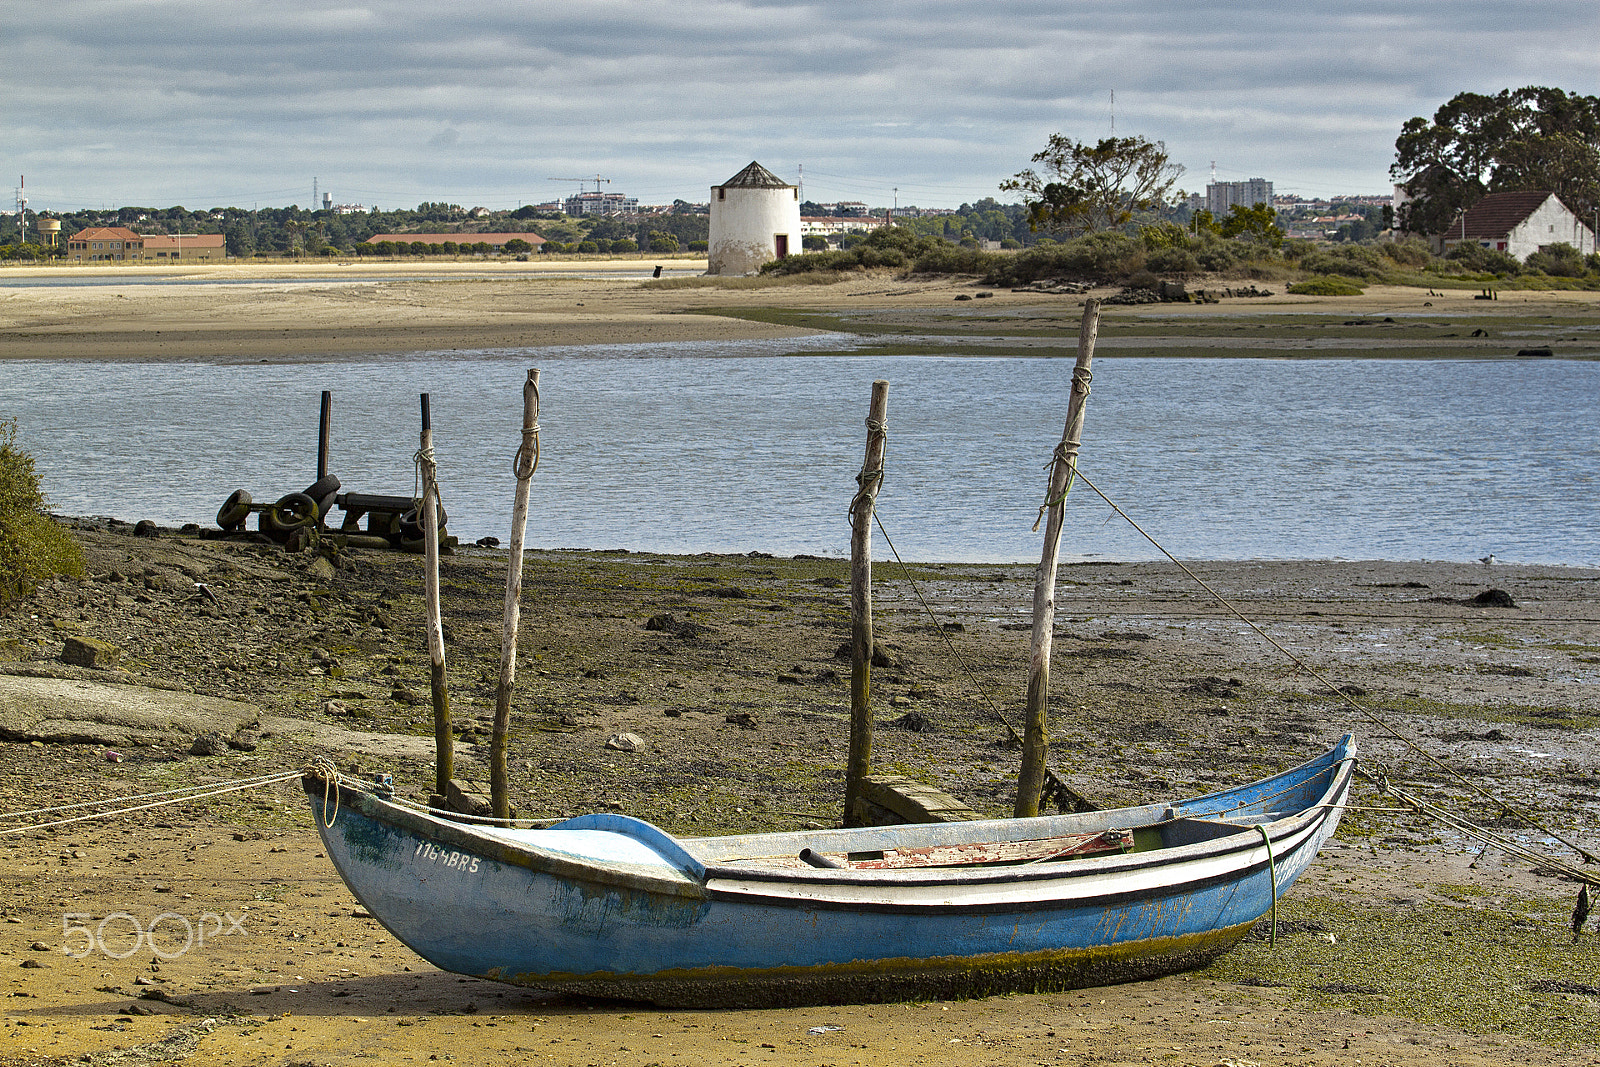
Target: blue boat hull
<point>611,906</point>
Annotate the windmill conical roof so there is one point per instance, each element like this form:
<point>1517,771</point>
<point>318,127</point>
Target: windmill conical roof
<point>755,176</point>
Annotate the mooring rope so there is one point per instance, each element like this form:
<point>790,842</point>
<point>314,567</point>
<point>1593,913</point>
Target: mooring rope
<point>1065,451</point>
<point>526,461</point>
<point>205,791</point>
<point>457,816</point>
<point>427,473</point>
<point>1416,804</point>
<point>1339,692</point>
<point>325,769</point>
<point>265,779</point>
<point>864,480</point>
<point>1052,783</point>
<point>1419,806</point>
<point>1272,868</point>
<point>333,780</point>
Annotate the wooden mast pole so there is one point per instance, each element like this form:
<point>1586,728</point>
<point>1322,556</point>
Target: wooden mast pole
<point>1036,737</point>
<point>526,462</point>
<point>859,763</point>
<point>444,751</point>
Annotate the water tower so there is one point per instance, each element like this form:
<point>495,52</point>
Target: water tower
<point>755,218</point>
<point>49,231</point>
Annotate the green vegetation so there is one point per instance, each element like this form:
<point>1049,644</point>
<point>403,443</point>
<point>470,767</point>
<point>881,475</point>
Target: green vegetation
<point>1491,965</point>
<point>1326,286</point>
<point>1530,138</point>
<point>32,546</point>
<point>1246,245</point>
<point>296,231</point>
<point>1087,188</point>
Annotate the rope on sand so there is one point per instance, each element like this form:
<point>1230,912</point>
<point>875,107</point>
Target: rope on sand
<point>154,800</point>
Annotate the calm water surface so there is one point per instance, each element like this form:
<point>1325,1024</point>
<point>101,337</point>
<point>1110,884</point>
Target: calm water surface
<point>738,447</point>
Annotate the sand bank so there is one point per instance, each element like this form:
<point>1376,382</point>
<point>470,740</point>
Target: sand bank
<point>289,310</point>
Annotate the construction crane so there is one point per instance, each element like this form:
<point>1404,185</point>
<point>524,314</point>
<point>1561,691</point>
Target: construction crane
<point>598,181</point>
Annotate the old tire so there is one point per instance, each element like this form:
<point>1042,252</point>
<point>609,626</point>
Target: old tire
<point>324,486</point>
<point>410,527</point>
<point>288,514</point>
<point>324,491</point>
<point>234,511</point>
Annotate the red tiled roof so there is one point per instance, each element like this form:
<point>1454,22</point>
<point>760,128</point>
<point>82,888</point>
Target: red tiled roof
<point>106,233</point>
<point>496,239</point>
<point>1496,215</point>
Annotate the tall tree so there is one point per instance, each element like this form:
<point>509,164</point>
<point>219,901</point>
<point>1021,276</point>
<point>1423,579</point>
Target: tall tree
<point>1529,138</point>
<point>1087,187</point>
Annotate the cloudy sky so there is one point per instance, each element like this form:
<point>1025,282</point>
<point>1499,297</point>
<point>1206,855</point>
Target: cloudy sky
<point>210,103</point>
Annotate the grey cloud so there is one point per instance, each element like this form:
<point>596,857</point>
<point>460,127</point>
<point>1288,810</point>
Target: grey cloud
<point>932,93</point>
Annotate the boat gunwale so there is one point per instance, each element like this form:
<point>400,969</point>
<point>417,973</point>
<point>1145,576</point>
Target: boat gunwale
<point>674,880</point>
<point>1097,897</point>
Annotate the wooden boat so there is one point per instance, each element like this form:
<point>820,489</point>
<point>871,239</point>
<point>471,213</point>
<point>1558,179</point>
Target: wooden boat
<point>608,905</point>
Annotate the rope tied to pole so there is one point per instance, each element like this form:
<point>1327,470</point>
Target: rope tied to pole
<point>869,482</point>
<point>1062,454</point>
<point>1066,452</point>
<point>427,471</point>
<point>527,458</point>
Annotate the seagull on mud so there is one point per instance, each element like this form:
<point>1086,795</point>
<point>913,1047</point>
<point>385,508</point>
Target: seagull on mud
<point>1486,560</point>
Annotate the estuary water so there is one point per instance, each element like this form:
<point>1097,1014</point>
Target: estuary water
<point>749,446</point>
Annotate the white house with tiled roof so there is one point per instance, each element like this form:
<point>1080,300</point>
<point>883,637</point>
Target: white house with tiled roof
<point>1518,224</point>
<point>755,218</point>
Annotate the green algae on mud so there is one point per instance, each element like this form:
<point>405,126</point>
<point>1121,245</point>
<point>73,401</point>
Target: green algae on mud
<point>1265,332</point>
<point>1489,964</point>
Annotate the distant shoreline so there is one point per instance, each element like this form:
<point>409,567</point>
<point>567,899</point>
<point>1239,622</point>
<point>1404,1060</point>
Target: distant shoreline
<point>349,309</point>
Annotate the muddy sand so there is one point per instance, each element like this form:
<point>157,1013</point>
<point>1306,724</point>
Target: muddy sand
<point>1407,944</point>
<point>293,311</point>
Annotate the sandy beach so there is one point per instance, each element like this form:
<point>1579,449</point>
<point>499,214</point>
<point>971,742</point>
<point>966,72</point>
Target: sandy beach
<point>283,310</point>
<point>1407,944</point>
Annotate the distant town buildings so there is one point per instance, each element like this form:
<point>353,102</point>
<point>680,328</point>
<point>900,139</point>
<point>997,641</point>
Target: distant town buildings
<point>600,204</point>
<point>837,225</point>
<point>104,243</point>
<point>185,247</point>
<point>112,244</point>
<point>1223,197</point>
<point>847,208</point>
